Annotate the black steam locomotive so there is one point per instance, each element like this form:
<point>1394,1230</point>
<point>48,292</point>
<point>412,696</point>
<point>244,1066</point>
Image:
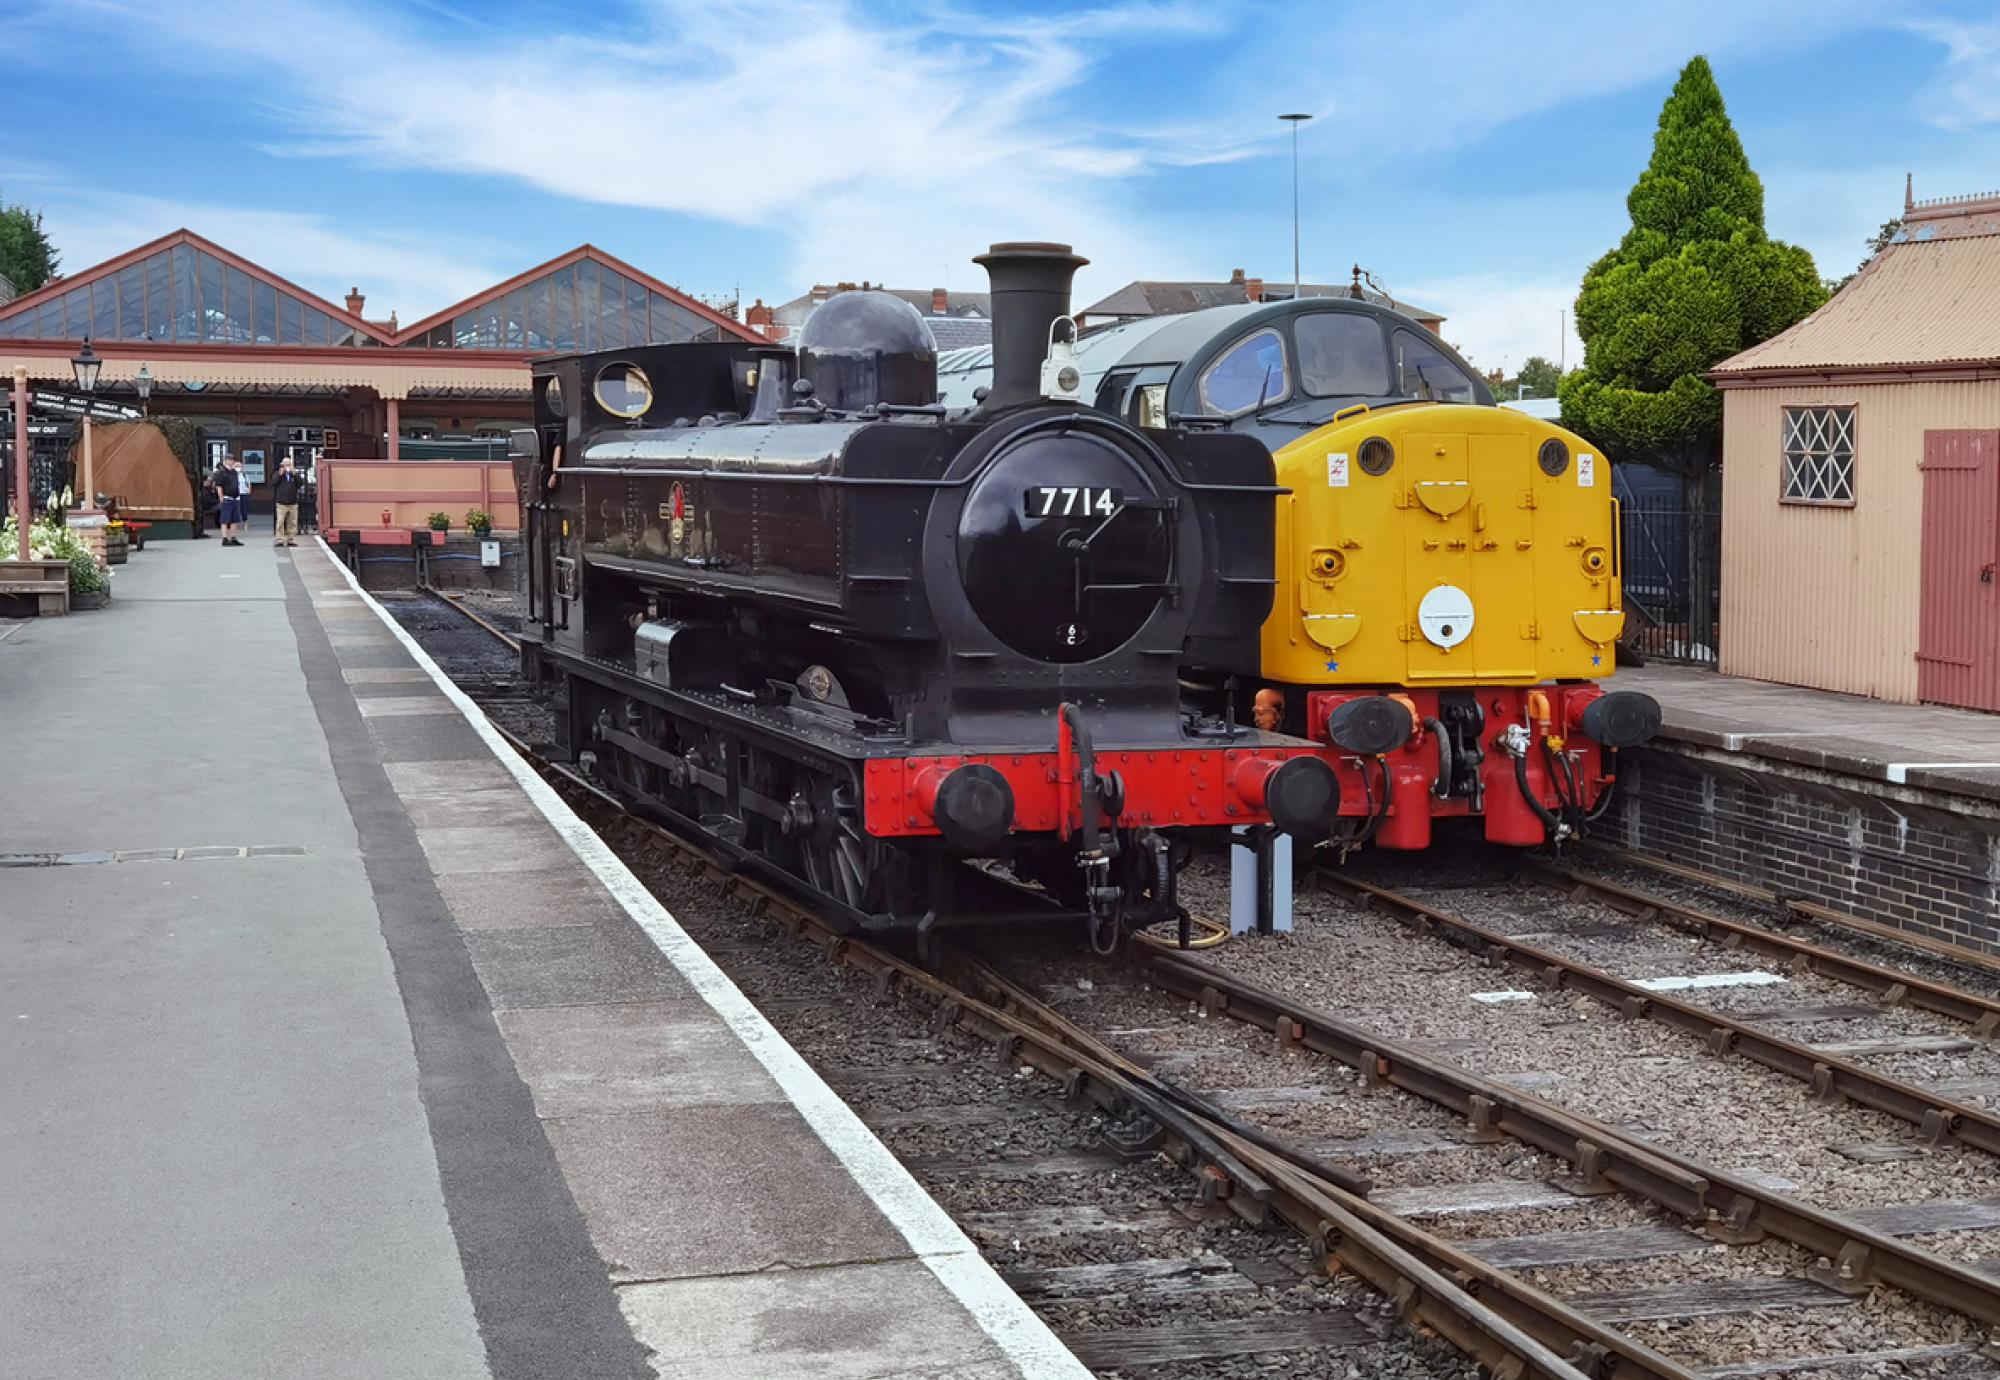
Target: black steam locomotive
<point>792,601</point>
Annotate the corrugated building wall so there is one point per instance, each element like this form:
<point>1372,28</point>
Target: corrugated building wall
<point>1827,596</point>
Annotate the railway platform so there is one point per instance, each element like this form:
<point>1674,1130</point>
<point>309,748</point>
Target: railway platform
<point>1885,812</point>
<point>333,1044</point>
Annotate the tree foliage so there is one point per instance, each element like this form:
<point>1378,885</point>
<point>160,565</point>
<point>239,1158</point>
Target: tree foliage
<point>1539,378</point>
<point>1877,242</point>
<point>1694,281</point>
<point>27,259</point>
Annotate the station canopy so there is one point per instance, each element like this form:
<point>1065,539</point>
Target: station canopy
<point>186,290</point>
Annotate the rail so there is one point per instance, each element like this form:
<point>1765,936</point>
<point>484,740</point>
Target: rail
<point>1733,1209</point>
<point>1828,1075</point>
<point>1515,1330</point>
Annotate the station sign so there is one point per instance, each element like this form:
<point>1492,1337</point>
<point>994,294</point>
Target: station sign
<point>76,405</point>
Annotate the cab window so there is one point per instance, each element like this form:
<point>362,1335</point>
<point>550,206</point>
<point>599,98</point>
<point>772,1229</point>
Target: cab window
<point>1251,372</point>
<point>1341,355</point>
<point>1423,370</point>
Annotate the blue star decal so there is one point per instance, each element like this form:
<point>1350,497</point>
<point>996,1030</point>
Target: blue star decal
<point>1597,661</point>
<point>1333,666</point>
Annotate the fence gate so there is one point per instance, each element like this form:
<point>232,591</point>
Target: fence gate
<point>1670,563</point>
<point>1958,631</point>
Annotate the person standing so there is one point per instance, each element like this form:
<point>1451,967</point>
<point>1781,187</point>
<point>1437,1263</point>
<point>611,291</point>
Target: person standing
<point>229,484</point>
<point>285,493</point>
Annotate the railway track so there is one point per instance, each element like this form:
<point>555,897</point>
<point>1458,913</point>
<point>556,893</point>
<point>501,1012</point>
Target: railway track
<point>1241,1177</point>
<point>1484,1292</point>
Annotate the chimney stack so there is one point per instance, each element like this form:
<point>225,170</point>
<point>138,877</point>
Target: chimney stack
<point>1030,284</point>
<point>760,318</point>
<point>820,293</point>
<point>940,302</point>
<point>355,301</point>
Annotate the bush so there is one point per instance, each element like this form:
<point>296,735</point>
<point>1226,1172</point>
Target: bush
<point>53,541</point>
<point>440,522</point>
<point>478,519</point>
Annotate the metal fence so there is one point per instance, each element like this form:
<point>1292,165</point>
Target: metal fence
<point>1672,564</point>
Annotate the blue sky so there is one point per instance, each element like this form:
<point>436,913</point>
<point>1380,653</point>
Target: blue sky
<point>1474,157</point>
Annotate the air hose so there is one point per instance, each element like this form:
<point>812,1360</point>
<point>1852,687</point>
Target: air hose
<point>1549,821</point>
<point>1442,787</point>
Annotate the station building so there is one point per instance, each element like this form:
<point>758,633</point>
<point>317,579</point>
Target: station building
<point>268,369</point>
<point>1861,476</point>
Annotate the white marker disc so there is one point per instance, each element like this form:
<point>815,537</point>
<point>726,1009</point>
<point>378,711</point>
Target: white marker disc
<point>1445,615</point>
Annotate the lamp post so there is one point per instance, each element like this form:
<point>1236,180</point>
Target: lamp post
<point>21,514</point>
<point>85,367</point>
<point>1295,120</point>
<point>143,382</point>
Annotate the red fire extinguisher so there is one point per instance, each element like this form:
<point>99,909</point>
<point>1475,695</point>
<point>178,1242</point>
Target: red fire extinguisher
<point>388,517</point>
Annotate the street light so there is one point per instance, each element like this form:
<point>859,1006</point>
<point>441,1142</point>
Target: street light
<point>143,382</point>
<point>85,367</point>
<point>1295,120</point>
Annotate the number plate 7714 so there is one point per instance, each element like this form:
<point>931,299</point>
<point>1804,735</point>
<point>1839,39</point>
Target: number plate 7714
<point>1071,500</point>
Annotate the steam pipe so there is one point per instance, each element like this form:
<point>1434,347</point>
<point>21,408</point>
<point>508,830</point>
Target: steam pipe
<point>1086,775</point>
<point>1031,286</point>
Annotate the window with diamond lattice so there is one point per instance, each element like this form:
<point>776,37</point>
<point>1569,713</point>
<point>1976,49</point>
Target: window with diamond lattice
<point>1819,455</point>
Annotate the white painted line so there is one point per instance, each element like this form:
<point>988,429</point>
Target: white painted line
<point>1899,772</point>
<point>1495,998</point>
<point>1024,1338</point>
<point>1754,978</point>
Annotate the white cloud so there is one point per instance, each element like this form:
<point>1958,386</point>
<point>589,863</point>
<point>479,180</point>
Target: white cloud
<point>1498,321</point>
<point>897,140</point>
<point>1970,93</point>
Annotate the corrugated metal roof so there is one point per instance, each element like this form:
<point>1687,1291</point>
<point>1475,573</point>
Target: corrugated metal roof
<point>1923,300</point>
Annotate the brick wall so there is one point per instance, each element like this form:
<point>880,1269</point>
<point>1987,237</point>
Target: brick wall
<point>1915,868</point>
<point>455,566</point>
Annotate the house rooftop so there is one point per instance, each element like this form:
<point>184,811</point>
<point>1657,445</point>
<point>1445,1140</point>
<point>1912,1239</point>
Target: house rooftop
<point>1927,299</point>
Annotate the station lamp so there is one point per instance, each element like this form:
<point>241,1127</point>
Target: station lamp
<point>85,367</point>
<point>143,382</point>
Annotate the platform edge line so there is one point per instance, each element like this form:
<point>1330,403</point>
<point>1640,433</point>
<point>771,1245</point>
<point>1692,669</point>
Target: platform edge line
<point>950,1255</point>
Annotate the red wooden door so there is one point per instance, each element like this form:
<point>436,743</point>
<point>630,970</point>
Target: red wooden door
<point>1958,639</point>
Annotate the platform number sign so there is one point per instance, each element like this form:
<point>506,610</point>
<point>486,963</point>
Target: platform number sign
<point>1071,500</point>
<point>1336,469</point>
<point>1586,470</point>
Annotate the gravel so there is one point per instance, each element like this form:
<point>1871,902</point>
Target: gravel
<point>1656,1081</point>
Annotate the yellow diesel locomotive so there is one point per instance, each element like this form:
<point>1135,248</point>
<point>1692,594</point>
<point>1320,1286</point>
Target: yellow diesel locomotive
<point>1447,599</point>
<point>1447,583</point>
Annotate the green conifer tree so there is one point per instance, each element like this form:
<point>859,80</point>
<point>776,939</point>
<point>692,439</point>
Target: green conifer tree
<point>27,259</point>
<point>1694,281</point>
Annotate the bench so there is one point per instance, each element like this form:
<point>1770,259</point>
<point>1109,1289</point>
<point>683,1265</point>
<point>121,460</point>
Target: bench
<point>44,585</point>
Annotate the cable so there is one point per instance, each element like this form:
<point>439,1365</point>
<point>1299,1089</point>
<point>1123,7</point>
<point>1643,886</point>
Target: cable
<point>1216,934</point>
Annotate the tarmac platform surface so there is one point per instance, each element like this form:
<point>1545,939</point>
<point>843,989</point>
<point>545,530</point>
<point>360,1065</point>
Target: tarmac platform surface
<point>1923,746</point>
<point>332,1044</point>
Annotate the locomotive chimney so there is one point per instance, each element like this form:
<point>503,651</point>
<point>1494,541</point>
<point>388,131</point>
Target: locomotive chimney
<point>1030,284</point>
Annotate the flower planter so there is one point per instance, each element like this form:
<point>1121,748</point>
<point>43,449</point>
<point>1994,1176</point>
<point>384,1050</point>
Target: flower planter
<point>89,601</point>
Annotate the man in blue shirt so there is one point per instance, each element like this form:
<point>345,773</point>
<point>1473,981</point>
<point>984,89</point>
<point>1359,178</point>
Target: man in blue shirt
<point>229,484</point>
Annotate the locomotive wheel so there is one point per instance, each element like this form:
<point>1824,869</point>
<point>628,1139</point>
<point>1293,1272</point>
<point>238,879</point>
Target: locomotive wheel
<point>839,858</point>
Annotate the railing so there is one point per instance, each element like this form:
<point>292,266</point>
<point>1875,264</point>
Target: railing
<point>1672,575</point>
<point>356,493</point>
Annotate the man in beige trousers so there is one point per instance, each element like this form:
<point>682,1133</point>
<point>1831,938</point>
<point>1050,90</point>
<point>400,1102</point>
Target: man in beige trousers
<point>285,492</point>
